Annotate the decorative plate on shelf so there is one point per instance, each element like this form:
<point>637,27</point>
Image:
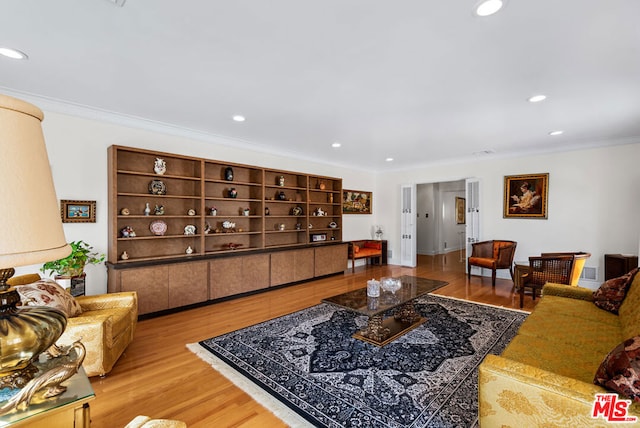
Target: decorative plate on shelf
<point>296,210</point>
<point>157,187</point>
<point>189,229</point>
<point>158,227</point>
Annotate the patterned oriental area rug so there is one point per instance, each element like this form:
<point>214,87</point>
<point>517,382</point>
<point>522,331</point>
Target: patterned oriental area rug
<point>315,374</point>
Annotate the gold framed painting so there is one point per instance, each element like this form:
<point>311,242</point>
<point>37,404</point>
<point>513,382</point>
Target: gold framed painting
<point>526,196</point>
<point>78,211</point>
<point>460,210</point>
<point>356,202</point>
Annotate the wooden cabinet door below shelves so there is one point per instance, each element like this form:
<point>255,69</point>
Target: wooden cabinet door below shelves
<point>330,259</point>
<point>188,284</point>
<point>151,284</point>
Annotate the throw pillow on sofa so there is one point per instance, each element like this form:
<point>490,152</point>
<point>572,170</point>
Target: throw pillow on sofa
<point>620,370</point>
<point>47,292</point>
<point>612,292</point>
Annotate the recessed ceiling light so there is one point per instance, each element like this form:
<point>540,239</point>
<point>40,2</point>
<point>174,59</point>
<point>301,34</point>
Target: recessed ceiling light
<point>488,7</point>
<point>556,133</point>
<point>336,145</point>
<point>537,98</point>
<point>12,53</point>
<point>389,160</point>
<point>239,118</point>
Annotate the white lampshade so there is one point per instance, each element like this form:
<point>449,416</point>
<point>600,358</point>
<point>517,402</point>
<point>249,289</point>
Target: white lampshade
<point>30,223</point>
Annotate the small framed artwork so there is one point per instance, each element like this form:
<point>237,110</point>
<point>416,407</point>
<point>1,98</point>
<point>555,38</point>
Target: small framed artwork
<point>356,202</point>
<point>78,211</point>
<point>318,237</point>
<point>525,196</point>
<point>460,210</point>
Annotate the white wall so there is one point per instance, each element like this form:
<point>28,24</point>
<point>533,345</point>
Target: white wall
<point>77,149</point>
<point>593,194</point>
<point>593,201</point>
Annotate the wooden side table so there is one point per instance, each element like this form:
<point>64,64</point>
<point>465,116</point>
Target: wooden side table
<point>70,409</point>
<point>616,265</point>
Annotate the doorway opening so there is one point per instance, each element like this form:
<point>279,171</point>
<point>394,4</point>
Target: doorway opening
<point>440,228</point>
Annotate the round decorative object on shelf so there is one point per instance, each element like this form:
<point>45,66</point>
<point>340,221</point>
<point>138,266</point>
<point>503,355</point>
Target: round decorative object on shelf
<point>189,250</point>
<point>160,166</point>
<point>124,256</point>
<point>157,187</point>
<point>158,227</point>
<point>228,173</point>
<point>333,225</point>
<point>233,193</point>
<point>282,196</point>
<point>189,229</point>
<point>297,211</point>
<point>125,211</point>
<point>191,212</point>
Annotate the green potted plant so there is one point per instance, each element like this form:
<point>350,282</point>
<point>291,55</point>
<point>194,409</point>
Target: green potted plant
<point>70,270</point>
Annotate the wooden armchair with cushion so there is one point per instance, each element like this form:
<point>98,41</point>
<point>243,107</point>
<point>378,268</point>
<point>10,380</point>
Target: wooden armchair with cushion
<point>495,254</point>
<point>105,324</point>
<point>547,268</point>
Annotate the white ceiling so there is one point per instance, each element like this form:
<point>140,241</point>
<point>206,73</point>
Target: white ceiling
<point>421,81</point>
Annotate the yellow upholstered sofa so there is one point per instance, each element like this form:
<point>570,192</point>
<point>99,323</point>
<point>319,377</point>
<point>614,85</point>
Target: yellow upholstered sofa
<point>105,326</point>
<point>545,376</point>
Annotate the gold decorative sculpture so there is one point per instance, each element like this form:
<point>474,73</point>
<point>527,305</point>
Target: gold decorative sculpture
<point>50,380</point>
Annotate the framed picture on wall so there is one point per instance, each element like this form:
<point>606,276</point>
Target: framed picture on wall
<point>525,196</point>
<point>460,210</point>
<point>356,202</point>
<point>78,211</point>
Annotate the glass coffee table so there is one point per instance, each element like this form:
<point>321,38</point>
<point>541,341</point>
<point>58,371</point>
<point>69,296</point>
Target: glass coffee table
<point>383,329</point>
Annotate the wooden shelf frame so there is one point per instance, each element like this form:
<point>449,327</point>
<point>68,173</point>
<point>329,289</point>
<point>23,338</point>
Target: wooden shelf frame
<point>199,184</point>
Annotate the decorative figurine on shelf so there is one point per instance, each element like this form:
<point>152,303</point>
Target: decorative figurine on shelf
<point>246,212</point>
<point>228,173</point>
<point>280,181</point>
<point>190,229</point>
<point>330,198</point>
<point>228,226</point>
<point>157,187</point>
<point>266,211</point>
<point>233,193</point>
<point>191,212</point>
<point>147,209</point>
<point>213,211</point>
<point>321,185</point>
<point>281,226</point>
<point>124,256</point>
<point>159,210</point>
<point>128,232</point>
<point>298,226</point>
<point>333,225</point>
<point>282,196</point>
<point>319,212</point>
<point>207,228</point>
<point>189,250</point>
<point>124,211</point>
<point>160,166</point>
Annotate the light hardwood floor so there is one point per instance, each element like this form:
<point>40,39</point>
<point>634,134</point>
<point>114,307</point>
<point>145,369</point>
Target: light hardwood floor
<point>159,377</point>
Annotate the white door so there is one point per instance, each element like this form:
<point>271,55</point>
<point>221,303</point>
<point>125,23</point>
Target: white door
<point>473,212</point>
<point>408,226</point>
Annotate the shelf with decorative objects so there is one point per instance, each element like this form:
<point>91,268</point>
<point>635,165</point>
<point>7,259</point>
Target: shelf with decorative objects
<point>216,228</point>
<point>184,203</point>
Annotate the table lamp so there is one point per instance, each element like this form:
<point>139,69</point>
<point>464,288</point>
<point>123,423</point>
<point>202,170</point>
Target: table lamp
<point>30,233</point>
